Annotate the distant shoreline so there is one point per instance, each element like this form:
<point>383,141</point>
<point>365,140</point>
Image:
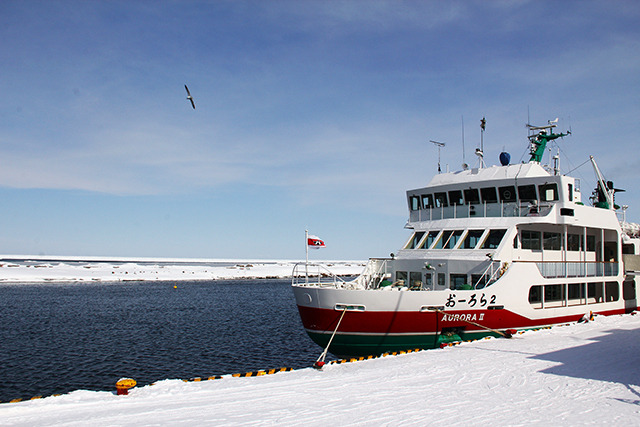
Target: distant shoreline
<point>41,269</point>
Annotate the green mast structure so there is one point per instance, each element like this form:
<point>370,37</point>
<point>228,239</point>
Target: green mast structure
<point>539,140</point>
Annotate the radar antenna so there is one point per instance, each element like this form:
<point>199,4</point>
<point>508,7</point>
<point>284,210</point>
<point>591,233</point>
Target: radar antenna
<point>439,145</point>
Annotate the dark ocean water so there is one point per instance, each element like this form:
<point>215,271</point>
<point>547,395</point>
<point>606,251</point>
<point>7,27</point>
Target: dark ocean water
<point>56,338</point>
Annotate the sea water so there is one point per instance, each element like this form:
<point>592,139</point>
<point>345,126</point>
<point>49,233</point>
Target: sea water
<point>56,338</point>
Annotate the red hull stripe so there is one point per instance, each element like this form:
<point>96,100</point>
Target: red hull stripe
<point>320,320</point>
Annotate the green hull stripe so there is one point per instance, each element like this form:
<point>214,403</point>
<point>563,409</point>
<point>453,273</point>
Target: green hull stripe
<point>364,345</point>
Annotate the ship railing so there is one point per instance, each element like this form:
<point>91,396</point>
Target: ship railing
<point>490,275</point>
<point>481,210</point>
<point>374,273</point>
<point>553,269</point>
<point>317,275</point>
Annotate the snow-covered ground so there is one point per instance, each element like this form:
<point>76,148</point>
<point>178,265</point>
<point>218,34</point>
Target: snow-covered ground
<point>569,375</point>
<point>20,269</point>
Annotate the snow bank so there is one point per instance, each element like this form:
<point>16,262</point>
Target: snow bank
<point>21,269</point>
<point>576,374</point>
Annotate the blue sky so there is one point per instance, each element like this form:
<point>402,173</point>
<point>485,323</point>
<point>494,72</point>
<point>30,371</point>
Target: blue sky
<point>310,114</point>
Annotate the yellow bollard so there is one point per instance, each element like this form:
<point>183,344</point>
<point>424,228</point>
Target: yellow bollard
<point>123,385</point>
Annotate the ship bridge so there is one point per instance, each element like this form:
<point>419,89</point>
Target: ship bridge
<point>498,191</point>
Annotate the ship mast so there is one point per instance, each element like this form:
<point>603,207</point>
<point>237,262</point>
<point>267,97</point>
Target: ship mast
<point>439,145</point>
<point>480,151</point>
<point>540,139</point>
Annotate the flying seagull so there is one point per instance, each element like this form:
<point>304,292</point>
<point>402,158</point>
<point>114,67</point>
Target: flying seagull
<point>189,97</point>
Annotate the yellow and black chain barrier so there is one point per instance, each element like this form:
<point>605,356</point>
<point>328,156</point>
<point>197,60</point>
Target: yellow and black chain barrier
<point>333,362</point>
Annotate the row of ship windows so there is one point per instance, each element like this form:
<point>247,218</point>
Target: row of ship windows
<point>415,280</point>
<point>450,239</point>
<point>472,196</point>
<point>472,239</point>
<point>537,240</point>
<point>540,296</point>
<point>549,296</point>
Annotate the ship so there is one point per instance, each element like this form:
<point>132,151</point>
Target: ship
<point>492,250</point>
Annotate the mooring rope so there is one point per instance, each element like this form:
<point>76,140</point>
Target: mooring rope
<point>505,334</point>
<point>320,362</point>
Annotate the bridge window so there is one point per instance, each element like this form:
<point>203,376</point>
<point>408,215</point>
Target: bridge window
<point>427,201</point>
<point>548,192</point>
<point>527,193</point>
<point>489,195</point>
<point>455,197</point>
<point>471,196</point>
<point>441,200</point>
<point>507,194</point>
<point>414,203</point>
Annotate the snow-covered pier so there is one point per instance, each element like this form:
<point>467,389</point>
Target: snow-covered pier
<point>575,374</point>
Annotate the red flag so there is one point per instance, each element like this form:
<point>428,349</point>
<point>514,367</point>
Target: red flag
<point>315,242</point>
